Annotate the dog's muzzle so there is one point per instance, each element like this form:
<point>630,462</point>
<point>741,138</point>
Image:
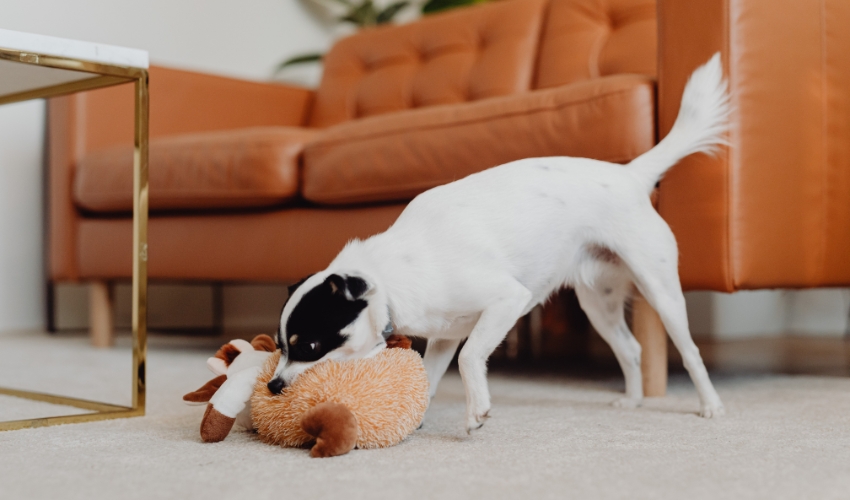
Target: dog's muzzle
<point>276,385</point>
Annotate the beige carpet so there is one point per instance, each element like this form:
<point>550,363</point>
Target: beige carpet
<point>550,437</point>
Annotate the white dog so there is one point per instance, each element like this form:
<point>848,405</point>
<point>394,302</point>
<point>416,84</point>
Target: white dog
<point>467,259</point>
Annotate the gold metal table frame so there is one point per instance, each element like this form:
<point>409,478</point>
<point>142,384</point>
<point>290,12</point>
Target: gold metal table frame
<point>102,75</point>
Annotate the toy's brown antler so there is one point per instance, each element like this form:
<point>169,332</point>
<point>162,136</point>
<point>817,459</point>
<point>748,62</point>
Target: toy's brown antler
<point>263,342</point>
<point>334,427</point>
<point>215,426</point>
<point>205,393</point>
<point>227,353</point>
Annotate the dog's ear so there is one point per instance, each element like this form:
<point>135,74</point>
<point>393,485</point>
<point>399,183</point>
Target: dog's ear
<point>350,287</point>
<point>291,289</point>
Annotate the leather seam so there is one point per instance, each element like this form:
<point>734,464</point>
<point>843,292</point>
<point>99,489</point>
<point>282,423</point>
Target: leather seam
<point>820,271</point>
<point>730,278</point>
<point>209,194</point>
<point>106,204</point>
<point>355,196</point>
<point>397,131</point>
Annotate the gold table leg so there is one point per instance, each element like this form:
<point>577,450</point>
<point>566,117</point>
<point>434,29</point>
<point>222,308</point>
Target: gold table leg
<point>140,242</point>
<point>108,75</point>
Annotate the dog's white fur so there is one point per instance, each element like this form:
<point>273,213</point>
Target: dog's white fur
<point>467,259</point>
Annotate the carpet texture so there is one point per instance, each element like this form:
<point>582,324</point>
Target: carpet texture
<point>550,436</point>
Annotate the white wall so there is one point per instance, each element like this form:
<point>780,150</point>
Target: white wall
<point>769,313</point>
<point>21,230</point>
<point>245,38</point>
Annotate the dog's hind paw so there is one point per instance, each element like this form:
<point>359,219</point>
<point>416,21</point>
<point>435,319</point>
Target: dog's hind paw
<point>475,422</point>
<point>627,403</point>
<point>712,411</point>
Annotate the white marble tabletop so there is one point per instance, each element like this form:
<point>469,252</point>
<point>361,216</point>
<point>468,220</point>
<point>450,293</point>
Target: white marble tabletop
<point>16,77</point>
<point>73,49</point>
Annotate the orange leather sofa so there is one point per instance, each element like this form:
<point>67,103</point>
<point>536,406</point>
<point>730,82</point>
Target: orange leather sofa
<point>266,182</point>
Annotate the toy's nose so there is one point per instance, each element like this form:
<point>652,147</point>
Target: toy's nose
<point>276,385</point>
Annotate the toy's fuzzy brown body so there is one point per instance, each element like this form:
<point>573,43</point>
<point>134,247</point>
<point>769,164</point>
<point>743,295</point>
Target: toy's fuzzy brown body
<point>337,406</point>
<point>387,395</point>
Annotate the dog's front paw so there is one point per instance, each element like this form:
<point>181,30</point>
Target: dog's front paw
<point>627,403</point>
<point>474,422</point>
<point>712,410</point>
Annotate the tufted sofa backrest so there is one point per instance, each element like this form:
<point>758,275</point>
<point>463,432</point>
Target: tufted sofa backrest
<point>462,55</point>
<point>489,50</point>
<point>585,39</point>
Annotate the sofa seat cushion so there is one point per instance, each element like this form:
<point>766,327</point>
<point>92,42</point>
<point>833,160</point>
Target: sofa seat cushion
<point>399,155</point>
<point>252,167</point>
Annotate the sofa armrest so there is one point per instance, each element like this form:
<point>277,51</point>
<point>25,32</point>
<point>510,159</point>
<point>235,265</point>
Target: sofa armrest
<point>771,210</point>
<point>180,102</point>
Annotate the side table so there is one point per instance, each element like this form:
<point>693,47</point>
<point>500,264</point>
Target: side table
<point>37,67</point>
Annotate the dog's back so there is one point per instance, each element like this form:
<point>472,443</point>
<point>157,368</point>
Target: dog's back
<point>535,217</point>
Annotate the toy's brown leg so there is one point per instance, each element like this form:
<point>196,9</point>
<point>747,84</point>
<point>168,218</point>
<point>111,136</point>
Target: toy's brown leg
<point>334,427</point>
<point>215,426</point>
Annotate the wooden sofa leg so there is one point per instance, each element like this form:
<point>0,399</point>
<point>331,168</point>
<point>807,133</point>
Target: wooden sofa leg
<point>650,333</point>
<point>100,314</point>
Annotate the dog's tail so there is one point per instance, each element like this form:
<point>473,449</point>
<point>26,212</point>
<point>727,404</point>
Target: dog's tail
<point>700,127</point>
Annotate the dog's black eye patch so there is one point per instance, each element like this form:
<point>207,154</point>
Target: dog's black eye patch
<point>351,287</point>
<point>313,351</point>
<point>356,286</point>
<point>319,317</point>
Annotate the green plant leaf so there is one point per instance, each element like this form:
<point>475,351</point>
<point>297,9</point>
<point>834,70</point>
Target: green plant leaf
<point>432,6</point>
<point>302,59</point>
<point>364,14</point>
<point>390,12</point>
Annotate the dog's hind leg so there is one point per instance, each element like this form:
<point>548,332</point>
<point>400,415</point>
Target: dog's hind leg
<point>492,327</point>
<point>652,258</point>
<point>438,355</point>
<point>603,301</point>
